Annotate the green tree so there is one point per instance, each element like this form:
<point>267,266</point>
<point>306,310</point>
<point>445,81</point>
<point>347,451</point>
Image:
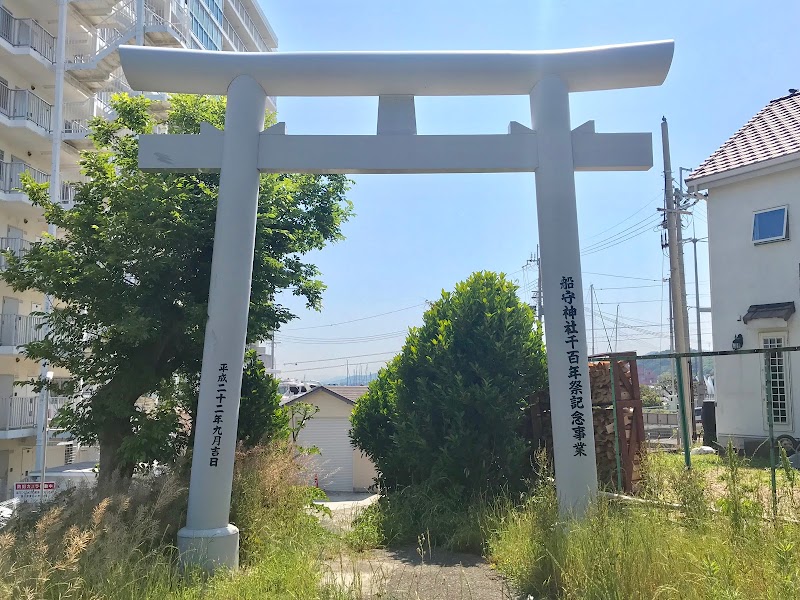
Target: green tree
<point>131,270</point>
<point>260,414</point>
<point>650,396</point>
<point>666,381</point>
<point>450,409</point>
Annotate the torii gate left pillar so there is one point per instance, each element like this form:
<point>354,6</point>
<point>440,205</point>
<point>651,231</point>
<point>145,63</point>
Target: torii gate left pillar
<point>553,151</point>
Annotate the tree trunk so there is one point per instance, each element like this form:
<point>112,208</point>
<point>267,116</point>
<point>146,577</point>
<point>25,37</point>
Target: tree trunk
<point>115,471</point>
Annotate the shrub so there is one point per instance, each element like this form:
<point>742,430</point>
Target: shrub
<point>448,412</point>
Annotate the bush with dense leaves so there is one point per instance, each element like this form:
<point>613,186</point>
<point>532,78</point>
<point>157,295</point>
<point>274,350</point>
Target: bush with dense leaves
<point>449,411</point>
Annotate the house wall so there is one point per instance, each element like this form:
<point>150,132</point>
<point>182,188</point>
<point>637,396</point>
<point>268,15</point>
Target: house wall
<point>332,407</point>
<point>743,274</point>
<point>364,472</point>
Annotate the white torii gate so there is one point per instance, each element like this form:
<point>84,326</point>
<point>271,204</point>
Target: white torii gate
<point>244,150</point>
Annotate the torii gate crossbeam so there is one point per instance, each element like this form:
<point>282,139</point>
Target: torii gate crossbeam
<point>551,149</point>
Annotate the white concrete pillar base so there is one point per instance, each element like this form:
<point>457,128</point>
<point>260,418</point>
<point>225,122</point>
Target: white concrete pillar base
<point>210,549</point>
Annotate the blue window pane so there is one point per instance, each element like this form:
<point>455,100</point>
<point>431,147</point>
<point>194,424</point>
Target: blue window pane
<point>769,225</point>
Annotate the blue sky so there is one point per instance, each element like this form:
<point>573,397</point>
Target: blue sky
<point>414,235</point>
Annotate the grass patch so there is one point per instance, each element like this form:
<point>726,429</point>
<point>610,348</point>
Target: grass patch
<point>121,547</point>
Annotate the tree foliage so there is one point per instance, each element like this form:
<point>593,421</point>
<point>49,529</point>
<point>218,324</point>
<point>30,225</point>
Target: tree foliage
<point>260,415</point>
<point>449,410</point>
<point>650,396</point>
<point>131,270</point>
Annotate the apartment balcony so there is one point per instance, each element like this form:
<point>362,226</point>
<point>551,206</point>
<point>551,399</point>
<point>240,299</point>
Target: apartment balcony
<point>29,48</point>
<point>256,31</point>
<point>92,53</point>
<point>18,330</point>
<point>16,246</point>
<point>15,199</point>
<point>18,414</point>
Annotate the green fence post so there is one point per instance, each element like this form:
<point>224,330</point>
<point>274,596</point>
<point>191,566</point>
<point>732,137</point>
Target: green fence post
<point>616,425</point>
<point>682,413</point>
<point>771,428</point>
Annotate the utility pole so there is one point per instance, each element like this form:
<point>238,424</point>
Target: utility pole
<point>538,285</point>
<point>677,278</point>
<point>699,367</point>
<point>591,304</point>
<point>616,331</point>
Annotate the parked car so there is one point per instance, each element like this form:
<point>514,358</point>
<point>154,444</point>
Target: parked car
<point>7,509</point>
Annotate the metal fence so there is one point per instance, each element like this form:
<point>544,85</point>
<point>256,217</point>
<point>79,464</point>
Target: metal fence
<point>755,389</point>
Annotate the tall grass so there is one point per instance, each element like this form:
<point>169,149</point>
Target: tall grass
<point>121,546</point>
<point>704,545</point>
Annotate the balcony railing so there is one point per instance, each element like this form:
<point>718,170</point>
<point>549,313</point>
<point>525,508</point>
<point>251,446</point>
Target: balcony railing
<point>10,183</point>
<point>237,42</point>
<point>19,412</point>
<point>10,173</point>
<point>16,246</point>
<point>172,14</point>
<point>18,330</point>
<point>22,33</point>
<point>22,104</point>
<point>240,10</point>
<point>78,114</point>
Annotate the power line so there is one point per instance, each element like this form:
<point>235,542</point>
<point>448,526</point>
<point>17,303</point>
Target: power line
<point>646,222</point>
<point>632,287</point>
<point>353,340</point>
<point>647,227</point>
<point>304,362</point>
<point>619,276</point>
<point>391,312</point>
<point>649,202</point>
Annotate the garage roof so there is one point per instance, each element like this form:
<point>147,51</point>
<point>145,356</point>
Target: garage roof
<point>347,393</point>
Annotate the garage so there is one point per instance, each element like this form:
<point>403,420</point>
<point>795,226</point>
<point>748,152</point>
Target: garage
<point>333,466</point>
<point>339,467</point>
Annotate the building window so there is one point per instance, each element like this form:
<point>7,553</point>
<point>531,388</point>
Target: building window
<point>69,454</point>
<point>778,379</point>
<point>771,225</point>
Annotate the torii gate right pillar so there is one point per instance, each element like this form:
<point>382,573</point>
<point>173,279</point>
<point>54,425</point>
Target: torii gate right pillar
<point>567,355</point>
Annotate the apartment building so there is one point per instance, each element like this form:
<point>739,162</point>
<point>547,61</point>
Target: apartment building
<point>95,29</point>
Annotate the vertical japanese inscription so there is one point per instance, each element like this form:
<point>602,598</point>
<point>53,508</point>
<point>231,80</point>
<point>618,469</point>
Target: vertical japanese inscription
<point>219,412</point>
<point>578,416</point>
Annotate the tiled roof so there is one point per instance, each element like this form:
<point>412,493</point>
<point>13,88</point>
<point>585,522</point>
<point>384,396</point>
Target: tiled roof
<point>351,392</point>
<point>774,132</point>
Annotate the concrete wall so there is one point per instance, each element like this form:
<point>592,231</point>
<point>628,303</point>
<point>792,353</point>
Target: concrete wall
<point>742,274</point>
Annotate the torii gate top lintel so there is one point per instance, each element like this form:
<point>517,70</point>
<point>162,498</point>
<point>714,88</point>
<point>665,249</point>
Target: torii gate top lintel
<point>424,73</point>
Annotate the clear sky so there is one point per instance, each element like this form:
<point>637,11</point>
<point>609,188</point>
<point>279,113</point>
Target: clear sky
<point>414,235</point>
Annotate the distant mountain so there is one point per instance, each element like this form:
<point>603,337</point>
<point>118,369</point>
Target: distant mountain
<point>650,369</point>
<point>352,380</point>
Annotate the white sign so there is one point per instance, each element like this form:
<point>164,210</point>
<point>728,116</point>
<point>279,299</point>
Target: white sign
<point>31,491</point>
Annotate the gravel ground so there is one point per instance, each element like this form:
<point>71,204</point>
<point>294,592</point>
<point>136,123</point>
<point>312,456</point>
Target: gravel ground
<point>406,574</point>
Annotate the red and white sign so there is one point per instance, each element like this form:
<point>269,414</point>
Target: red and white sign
<point>31,491</point>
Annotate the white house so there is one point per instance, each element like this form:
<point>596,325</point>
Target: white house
<point>339,467</point>
<point>753,187</point>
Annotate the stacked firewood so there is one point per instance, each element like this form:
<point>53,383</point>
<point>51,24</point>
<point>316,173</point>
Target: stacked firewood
<point>604,444</point>
<point>600,381</point>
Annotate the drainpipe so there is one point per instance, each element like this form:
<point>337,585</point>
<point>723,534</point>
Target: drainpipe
<point>140,22</point>
<point>56,127</point>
